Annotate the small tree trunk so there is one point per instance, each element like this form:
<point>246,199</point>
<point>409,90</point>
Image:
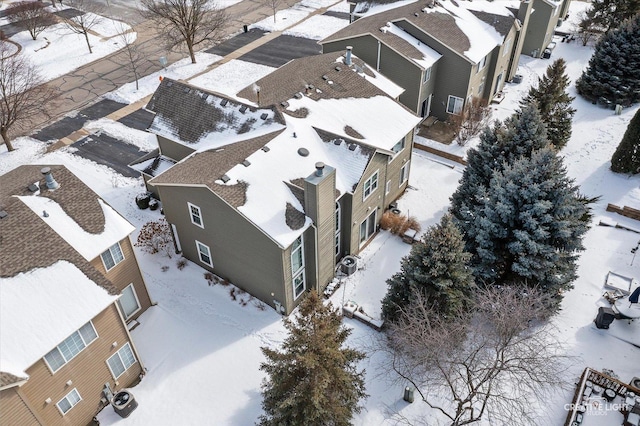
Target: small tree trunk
<point>86,37</point>
<point>5,137</point>
<point>191,52</point>
<point>274,16</point>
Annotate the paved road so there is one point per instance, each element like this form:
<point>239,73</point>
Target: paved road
<point>281,50</point>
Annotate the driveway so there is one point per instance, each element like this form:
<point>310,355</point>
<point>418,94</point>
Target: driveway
<point>104,149</point>
<point>281,50</point>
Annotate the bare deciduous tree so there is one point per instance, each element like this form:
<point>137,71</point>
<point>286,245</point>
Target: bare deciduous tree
<point>186,22</point>
<point>30,15</point>
<point>273,5</point>
<point>492,364</point>
<point>133,57</point>
<point>587,28</point>
<point>22,94</point>
<point>474,117</point>
<point>82,24</point>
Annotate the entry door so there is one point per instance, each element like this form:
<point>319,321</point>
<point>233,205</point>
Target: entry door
<point>426,107</point>
<point>368,227</point>
<point>498,82</point>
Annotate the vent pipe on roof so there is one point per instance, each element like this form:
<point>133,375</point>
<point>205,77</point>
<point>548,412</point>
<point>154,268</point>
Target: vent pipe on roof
<point>48,177</point>
<point>319,168</point>
<point>347,59</point>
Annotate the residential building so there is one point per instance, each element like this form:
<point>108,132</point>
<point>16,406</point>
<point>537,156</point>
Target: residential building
<point>443,53</point>
<point>541,17</point>
<point>270,193</point>
<point>70,289</point>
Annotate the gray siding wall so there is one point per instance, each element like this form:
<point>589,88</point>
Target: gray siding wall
<point>320,195</point>
<point>173,149</point>
<point>310,265</point>
<point>542,23</point>
<point>240,252</point>
<point>395,67</point>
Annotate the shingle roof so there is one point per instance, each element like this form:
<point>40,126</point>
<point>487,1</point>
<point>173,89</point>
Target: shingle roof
<point>27,242</point>
<point>439,23</point>
<point>8,379</point>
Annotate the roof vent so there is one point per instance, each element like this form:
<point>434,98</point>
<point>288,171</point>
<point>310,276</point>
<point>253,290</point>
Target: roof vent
<point>303,152</point>
<point>44,213</point>
<point>337,141</point>
<point>298,95</point>
<point>319,168</point>
<point>204,95</point>
<point>347,58</point>
<point>265,148</point>
<point>352,147</point>
<point>225,178</point>
<point>33,187</point>
<point>311,86</point>
<point>187,90</point>
<point>224,102</point>
<point>324,77</point>
<point>338,68</point>
<point>243,109</point>
<point>3,214</point>
<point>285,104</point>
<point>169,83</point>
<point>416,14</point>
<point>246,163</point>
<point>48,177</point>
<point>264,116</point>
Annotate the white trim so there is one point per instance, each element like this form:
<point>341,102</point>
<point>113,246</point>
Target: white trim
<point>198,244</point>
<point>387,187</point>
<point>370,181</point>
<point>135,360</point>
<point>482,64</point>
<point>112,258</point>
<point>299,273</point>
<point>135,296</point>
<point>457,106</point>
<point>66,397</point>
<point>337,241</point>
<point>366,222</point>
<point>404,173</point>
<point>66,361</point>
<point>198,215</point>
<point>427,75</point>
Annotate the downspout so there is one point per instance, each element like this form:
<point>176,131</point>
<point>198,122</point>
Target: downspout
<point>378,61</point>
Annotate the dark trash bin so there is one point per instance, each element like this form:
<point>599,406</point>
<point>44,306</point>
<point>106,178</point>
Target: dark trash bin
<point>245,28</point>
<point>142,200</point>
<point>605,317</point>
<point>124,403</point>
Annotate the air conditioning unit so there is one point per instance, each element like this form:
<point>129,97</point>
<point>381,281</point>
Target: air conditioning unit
<point>349,264</point>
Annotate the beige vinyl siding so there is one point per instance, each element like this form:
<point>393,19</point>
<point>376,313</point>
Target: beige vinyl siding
<point>125,273</point>
<point>393,172</point>
<point>88,372</point>
<point>13,410</point>
<point>172,149</point>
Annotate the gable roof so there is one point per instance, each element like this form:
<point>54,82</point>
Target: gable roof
<point>470,29</point>
<point>336,112</point>
<point>38,255</point>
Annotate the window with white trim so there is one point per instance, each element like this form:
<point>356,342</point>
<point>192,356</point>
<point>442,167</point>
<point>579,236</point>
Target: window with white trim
<point>69,401</point>
<point>454,105</point>
<point>368,227</point>
<point>128,302</point>
<point>297,267</point>
<point>387,187</point>
<point>121,361</point>
<point>204,253</point>
<point>507,45</point>
<point>427,75</point>
<point>399,146</point>
<point>481,87</point>
<point>482,64</point>
<point>370,186</point>
<point>196,215</point>
<point>112,256</point>
<point>338,226</point>
<point>404,173</point>
<point>70,347</point>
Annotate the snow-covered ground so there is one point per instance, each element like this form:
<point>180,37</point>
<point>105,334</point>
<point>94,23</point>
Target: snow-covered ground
<point>201,348</point>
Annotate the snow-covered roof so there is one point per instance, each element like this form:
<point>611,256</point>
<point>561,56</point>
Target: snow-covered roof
<point>87,244</point>
<point>42,307</point>
<point>471,29</point>
<point>429,56</point>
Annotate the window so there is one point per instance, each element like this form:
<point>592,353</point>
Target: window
<point>404,173</point>
<point>196,215</point>
<point>72,346</point>
<point>69,401</point>
<point>370,185</point>
<point>481,88</point>
<point>399,146</point>
<point>205,253</point>
<point>338,226</point>
<point>297,267</point>
<point>368,227</point>
<point>454,105</point>
<point>426,75</point>
<point>387,187</point>
<point>121,361</point>
<point>507,45</point>
<point>128,302</point>
<point>112,256</point>
<point>482,64</point>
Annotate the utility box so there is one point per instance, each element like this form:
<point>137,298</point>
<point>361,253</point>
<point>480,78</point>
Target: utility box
<point>124,403</point>
<point>408,394</point>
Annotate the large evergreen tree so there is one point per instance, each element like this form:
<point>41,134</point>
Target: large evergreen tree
<point>518,136</point>
<point>554,103</point>
<point>438,268</point>
<point>609,14</point>
<point>626,159</point>
<point>313,380</point>
<point>612,74</point>
<point>529,228</point>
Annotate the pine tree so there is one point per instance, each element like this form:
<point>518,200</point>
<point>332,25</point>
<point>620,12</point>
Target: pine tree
<point>520,135</point>
<point>313,380</point>
<point>437,267</point>
<point>554,103</point>
<point>626,159</point>
<point>612,75</point>
<point>608,14</point>
<point>529,228</point>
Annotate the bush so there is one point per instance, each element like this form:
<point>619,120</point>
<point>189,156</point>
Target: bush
<point>397,223</point>
<point>155,237</point>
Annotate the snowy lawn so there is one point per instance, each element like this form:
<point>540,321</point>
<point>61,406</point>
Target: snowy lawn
<point>202,348</point>
<point>289,17</point>
<point>318,27</point>
<point>231,77</point>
